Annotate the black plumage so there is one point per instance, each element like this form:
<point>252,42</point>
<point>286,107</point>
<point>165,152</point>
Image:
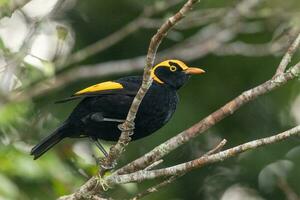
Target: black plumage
<point>101,110</point>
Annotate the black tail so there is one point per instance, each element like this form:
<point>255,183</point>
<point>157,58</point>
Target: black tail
<point>49,141</point>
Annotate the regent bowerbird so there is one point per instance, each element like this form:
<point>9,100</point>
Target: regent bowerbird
<point>105,105</point>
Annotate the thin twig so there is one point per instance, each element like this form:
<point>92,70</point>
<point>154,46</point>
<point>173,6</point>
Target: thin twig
<point>288,56</point>
<point>155,188</point>
<point>287,190</point>
<point>154,164</point>
<point>217,148</point>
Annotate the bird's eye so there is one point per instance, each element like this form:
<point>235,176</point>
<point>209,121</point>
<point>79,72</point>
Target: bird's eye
<point>173,68</point>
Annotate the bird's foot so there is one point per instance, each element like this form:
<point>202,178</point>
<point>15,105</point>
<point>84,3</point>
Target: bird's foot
<point>101,182</point>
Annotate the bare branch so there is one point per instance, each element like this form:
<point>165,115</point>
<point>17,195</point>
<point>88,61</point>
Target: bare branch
<point>202,161</point>
<point>288,56</point>
<point>287,190</point>
<point>154,164</point>
<point>156,187</point>
<point>217,148</point>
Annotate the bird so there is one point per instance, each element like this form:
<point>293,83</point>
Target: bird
<point>105,105</point>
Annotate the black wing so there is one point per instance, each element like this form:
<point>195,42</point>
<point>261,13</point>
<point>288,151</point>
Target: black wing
<point>126,86</point>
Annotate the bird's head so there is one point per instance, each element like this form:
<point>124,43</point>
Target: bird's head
<point>173,73</point>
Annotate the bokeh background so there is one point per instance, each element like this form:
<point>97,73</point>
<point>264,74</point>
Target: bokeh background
<point>50,49</point>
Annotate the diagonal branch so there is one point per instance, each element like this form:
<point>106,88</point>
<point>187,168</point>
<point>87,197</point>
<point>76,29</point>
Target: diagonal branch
<point>217,148</point>
<point>202,161</point>
<point>155,188</point>
<point>287,190</point>
<point>288,55</point>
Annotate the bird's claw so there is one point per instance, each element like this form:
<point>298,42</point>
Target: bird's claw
<point>101,182</point>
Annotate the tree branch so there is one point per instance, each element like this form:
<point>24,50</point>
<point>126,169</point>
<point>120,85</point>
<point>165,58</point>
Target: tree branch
<point>156,187</point>
<point>287,190</point>
<point>288,55</point>
<point>217,148</point>
<point>202,161</point>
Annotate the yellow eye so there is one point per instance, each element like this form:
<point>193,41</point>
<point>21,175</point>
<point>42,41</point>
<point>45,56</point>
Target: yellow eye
<point>173,68</point>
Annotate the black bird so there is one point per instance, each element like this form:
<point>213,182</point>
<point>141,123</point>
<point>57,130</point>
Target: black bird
<point>105,105</point>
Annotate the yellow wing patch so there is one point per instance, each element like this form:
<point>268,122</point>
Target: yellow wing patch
<point>109,85</point>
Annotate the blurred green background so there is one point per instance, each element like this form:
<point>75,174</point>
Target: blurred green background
<point>265,173</point>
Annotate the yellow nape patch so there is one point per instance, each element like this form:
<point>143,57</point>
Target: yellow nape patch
<point>109,85</point>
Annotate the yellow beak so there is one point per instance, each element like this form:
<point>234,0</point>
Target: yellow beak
<point>194,70</point>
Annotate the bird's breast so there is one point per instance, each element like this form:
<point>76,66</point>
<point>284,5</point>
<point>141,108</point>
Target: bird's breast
<point>155,111</point>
